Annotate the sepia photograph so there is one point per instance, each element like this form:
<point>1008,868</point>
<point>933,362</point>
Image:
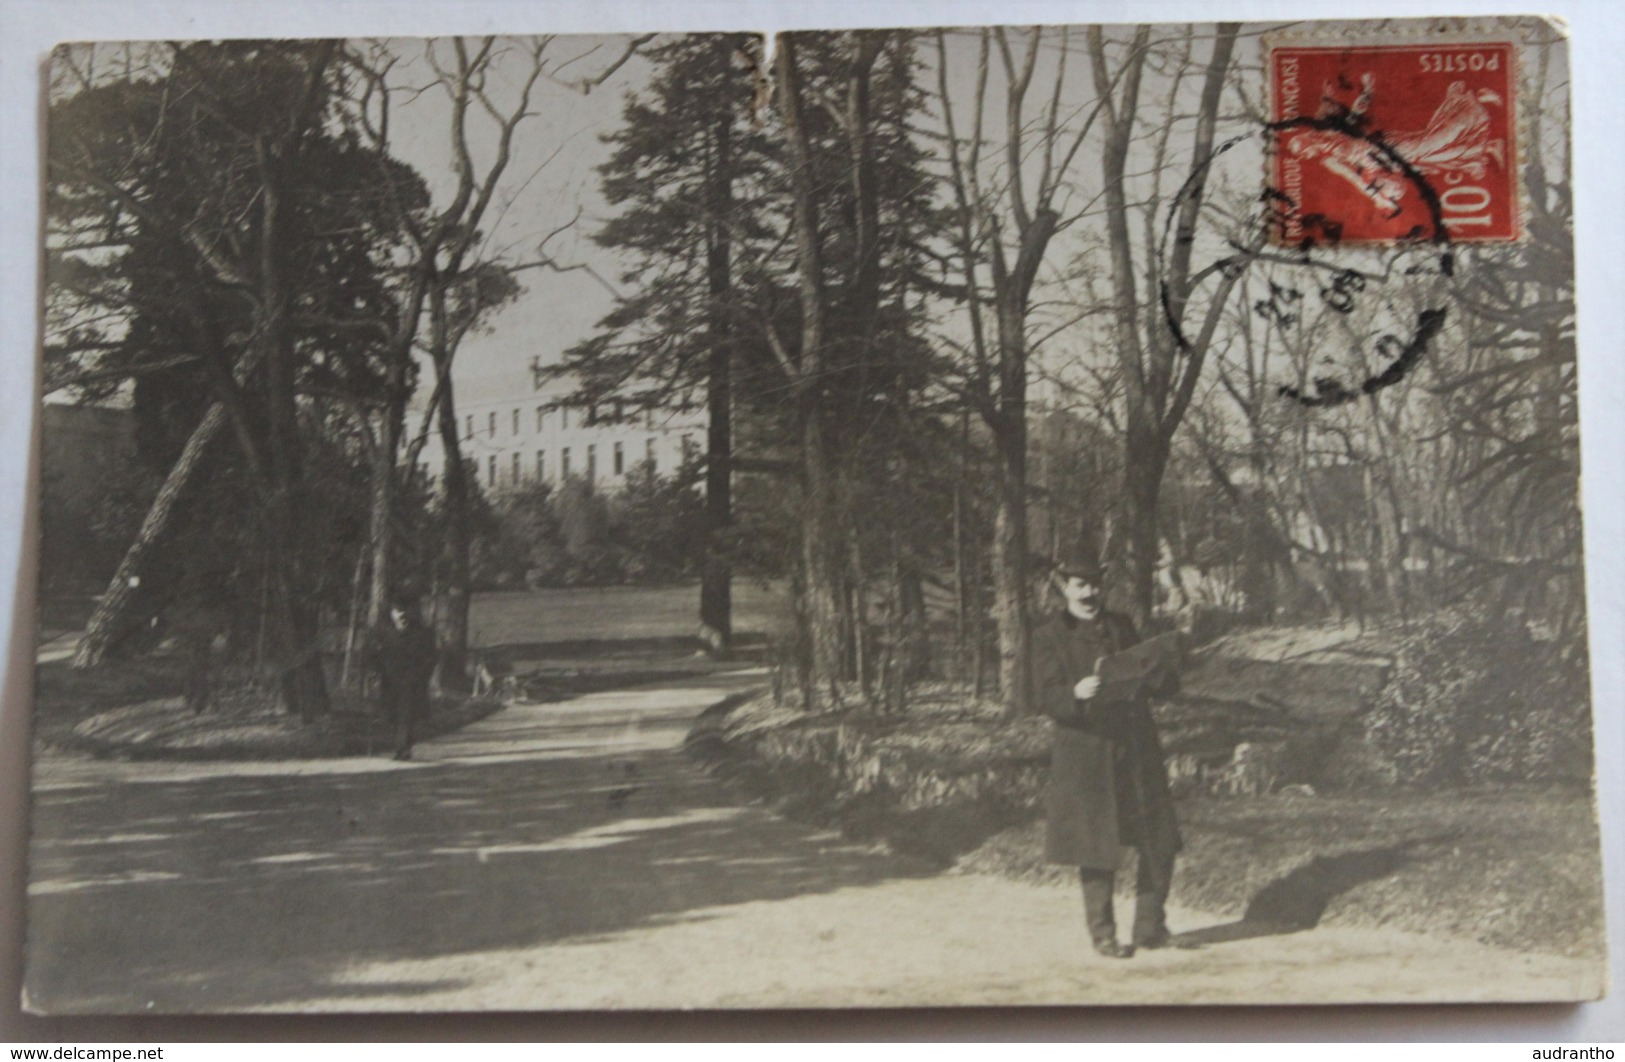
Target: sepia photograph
<point>965,516</point>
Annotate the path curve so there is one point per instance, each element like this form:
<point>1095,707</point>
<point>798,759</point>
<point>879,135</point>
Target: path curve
<point>571,855</point>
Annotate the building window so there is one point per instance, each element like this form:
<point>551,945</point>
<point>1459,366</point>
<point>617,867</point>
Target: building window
<point>564,415</point>
<point>541,417</point>
<point>491,471</point>
<point>620,461</point>
<point>541,465</point>
<point>491,425</point>
<point>688,448</point>
<point>516,422</point>
<point>592,462</point>
<point>564,463</point>
<point>649,454</point>
<point>470,423</point>
<point>516,468</point>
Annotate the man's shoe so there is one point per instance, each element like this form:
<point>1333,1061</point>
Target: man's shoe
<point>1111,949</point>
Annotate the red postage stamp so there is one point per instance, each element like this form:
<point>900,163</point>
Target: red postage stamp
<point>1380,143</point>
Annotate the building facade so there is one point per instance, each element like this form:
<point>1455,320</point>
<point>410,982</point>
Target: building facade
<point>516,429</point>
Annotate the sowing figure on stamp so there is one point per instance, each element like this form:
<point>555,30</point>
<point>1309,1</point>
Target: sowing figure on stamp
<point>1455,143</point>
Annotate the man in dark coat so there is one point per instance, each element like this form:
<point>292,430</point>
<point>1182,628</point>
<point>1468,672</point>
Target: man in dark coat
<point>1108,784</point>
<point>404,654</point>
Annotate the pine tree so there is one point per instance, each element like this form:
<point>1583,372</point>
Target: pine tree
<point>686,161</point>
<point>773,256</point>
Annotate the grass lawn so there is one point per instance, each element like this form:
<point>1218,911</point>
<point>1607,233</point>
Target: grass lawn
<point>559,644</point>
<point>555,619</point>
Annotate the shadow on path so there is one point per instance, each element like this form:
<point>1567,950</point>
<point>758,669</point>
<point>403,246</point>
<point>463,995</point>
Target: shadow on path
<point>228,891</point>
<point>1298,900</point>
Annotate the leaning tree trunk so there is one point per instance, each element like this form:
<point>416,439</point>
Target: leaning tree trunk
<point>104,622</point>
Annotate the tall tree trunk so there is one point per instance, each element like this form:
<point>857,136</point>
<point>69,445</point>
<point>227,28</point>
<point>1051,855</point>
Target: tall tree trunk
<point>821,559</point>
<point>1013,290</point>
<point>459,538</point>
<point>1159,374</point>
<point>860,647</point>
<point>1010,607</point>
<point>354,620</point>
<point>1388,510</point>
<point>909,637</point>
<point>1145,459</point>
<point>1141,481</point>
<point>381,523</point>
<point>961,602</point>
<point>716,573</point>
<point>978,629</point>
<point>293,611</point>
<point>391,429</point>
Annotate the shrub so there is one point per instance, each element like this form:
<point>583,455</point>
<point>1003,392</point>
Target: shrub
<point>1474,698</point>
<point>650,531</point>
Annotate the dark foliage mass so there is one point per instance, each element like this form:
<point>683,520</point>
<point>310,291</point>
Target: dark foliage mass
<point>1482,697</point>
<point>219,239</point>
<point>774,274</point>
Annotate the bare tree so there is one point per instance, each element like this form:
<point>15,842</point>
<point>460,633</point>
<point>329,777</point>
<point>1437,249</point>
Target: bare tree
<point>1162,333</point>
<point>448,278</point>
<point>1007,207</point>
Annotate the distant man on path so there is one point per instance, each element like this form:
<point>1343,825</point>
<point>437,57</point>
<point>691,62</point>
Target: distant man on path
<point>196,630</point>
<point>1108,784</point>
<point>200,619</point>
<point>404,653</point>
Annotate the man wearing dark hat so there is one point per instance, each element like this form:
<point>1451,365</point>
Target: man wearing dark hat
<point>1108,784</point>
<point>404,653</point>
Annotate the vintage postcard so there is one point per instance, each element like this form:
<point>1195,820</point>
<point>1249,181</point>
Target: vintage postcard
<point>868,518</point>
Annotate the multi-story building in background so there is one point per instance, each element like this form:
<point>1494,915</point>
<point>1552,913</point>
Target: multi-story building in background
<point>517,428</point>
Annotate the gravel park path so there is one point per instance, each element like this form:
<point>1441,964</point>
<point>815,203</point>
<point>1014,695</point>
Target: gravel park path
<point>571,855</point>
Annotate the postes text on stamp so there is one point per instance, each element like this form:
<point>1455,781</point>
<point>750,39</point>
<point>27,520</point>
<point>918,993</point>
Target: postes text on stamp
<point>1380,143</point>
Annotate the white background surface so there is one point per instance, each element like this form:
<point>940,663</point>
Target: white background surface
<point>29,28</point>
